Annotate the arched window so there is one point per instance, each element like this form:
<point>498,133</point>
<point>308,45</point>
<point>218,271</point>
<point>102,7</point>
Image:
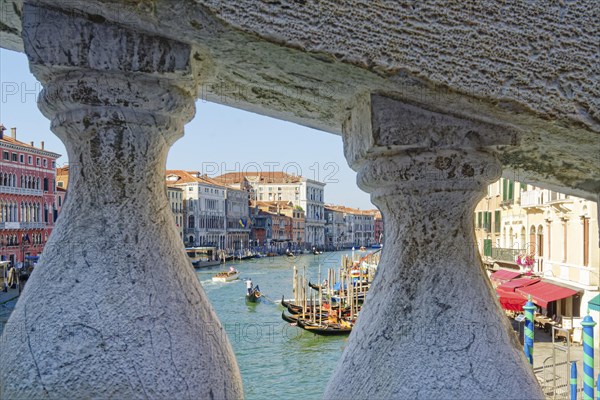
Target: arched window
<point>540,241</point>
<point>191,222</point>
<point>532,244</point>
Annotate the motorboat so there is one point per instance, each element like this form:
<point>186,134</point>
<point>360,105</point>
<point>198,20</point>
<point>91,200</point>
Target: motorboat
<point>227,276</point>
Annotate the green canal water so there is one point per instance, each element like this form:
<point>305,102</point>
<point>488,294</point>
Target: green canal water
<point>276,360</point>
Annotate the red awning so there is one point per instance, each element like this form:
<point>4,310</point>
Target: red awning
<point>504,275</point>
<point>510,300</point>
<point>517,283</point>
<point>543,293</point>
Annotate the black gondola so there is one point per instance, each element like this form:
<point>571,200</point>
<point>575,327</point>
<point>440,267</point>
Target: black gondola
<point>293,318</point>
<point>289,318</point>
<point>254,296</point>
<point>324,330</point>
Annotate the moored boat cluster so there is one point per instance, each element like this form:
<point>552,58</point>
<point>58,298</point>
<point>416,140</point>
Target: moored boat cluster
<point>331,307</point>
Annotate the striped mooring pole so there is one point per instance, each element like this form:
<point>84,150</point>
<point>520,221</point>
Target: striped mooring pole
<point>528,340</point>
<point>588,357</point>
<point>573,380</point>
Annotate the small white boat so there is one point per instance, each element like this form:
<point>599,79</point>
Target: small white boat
<point>226,276</point>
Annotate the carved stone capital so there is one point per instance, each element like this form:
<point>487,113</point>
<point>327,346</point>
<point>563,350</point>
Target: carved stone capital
<point>57,41</point>
<point>76,102</point>
<point>428,171</point>
<point>381,125</point>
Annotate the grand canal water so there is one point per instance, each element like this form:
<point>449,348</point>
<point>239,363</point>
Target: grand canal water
<point>276,360</point>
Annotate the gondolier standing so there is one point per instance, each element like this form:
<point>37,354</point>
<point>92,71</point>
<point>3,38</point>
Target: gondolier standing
<point>249,286</point>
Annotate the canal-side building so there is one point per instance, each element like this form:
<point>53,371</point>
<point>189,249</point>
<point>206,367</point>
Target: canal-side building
<point>364,228</point>
<point>62,177</point>
<point>214,214</point>
<point>271,227</point>
<point>378,227</point>
<point>296,213</point>
<point>560,231</point>
<point>335,228</point>
<point>175,196</point>
<point>305,193</point>
<point>350,227</point>
<point>204,205</point>
<point>260,232</point>
<point>237,212</point>
<point>28,203</point>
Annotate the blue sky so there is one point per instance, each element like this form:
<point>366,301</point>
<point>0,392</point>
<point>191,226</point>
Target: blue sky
<point>218,139</point>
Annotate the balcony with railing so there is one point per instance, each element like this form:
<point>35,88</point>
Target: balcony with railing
<point>33,225</point>
<point>10,225</point>
<point>559,201</point>
<point>532,199</point>
<point>503,254</point>
<point>21,191</point>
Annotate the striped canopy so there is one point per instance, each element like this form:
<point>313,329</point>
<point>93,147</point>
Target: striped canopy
<point>594,304</point>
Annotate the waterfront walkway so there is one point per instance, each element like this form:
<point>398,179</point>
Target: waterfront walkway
<point>7,304</point>
<point>552,368</point>
<point>5,297</point>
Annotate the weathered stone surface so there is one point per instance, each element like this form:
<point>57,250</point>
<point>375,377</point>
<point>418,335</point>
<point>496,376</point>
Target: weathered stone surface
<point>114,309</point>
<point>530,65</point>
<point>431,326</point>
<point>10,25</point>
<point>380,124</point>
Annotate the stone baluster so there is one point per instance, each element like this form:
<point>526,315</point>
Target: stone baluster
<point>113,309</point>
<point>432,327</point>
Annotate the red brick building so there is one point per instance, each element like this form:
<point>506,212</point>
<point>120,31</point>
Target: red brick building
<point>27,197</point>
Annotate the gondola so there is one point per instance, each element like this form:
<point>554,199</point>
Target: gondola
<point>314,286</point>
<point>296,309</point>
<point>293,308</point>
<point>254,296</point>
<point>324,330</point>
<point>293,318</point>
<point>289,318</point>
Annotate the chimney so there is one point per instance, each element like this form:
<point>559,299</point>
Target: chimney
<point>42,143</point>
<point>32,144</point>
<point>13,132</point>
<point>2,129</point>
